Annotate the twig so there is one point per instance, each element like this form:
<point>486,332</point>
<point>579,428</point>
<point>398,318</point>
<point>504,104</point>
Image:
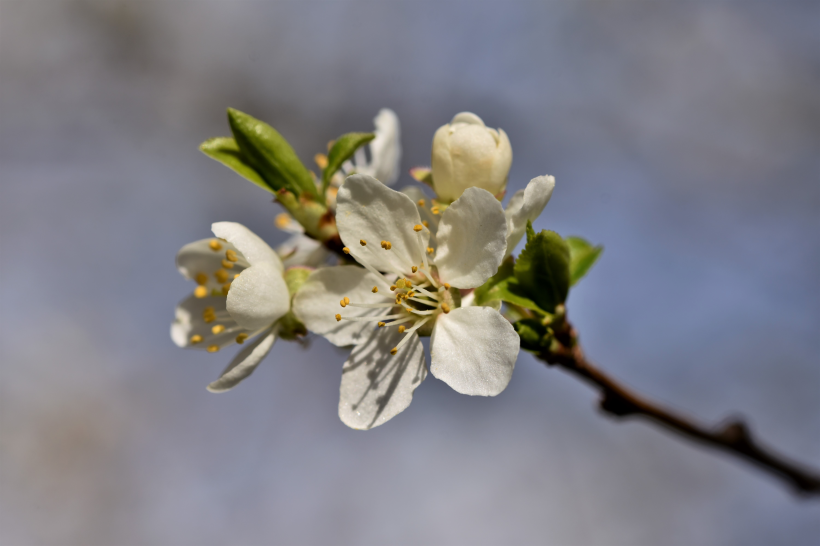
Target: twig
<point>733,437</point>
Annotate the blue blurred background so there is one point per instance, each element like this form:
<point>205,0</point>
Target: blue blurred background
<point>685,136</point>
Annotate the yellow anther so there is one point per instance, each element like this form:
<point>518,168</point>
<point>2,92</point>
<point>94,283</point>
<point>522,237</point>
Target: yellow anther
<point>209,314</point>
<point>381,324</point>
<point>227,264</point>
<point>200,292</point>
<point>362,242</point>
<point>375,289</point>
<point>346,250</point>
<point>221,275</point>
<point>425,223</point>
<point>215,245</point>
<point>342,302</point>
<point>410,294</point>
<point>201,278</point>
<point>414,269</point>
<point>445,308</point>
<point>218,329</point>
<point>282,220</point>
<point>338,318</point>
<point>196,338</point>
<point>392,287</point>
<point>386,245</point>
<point>236,276</point>
<point>401,329</point>
<point>225,288</point>
<point>420,202</point>
<point>347,300</point>
<point>241,338</point>
<point>447,285</point>
<point>321,160</point>
<point>418,227</point>
<point>408,310</point>
<point>394,350</point>
<point>213,348</point>
<point>430,250</point>
<point>231,255</point>
<point>407,283</point>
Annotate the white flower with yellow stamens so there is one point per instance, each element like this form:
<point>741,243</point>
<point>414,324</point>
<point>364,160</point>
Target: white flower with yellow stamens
<point>406,289</point>
<point>241,293</point>
<point>385,150</point>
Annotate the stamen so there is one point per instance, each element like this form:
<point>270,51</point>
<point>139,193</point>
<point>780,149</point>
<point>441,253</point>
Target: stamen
<point>231,255</point>
<point>342,303</point>
<point>426,224</point>
<point>414,269</point>
<point>200,292</point>
<point>430,250</point>
<point>371,305</point>
<point>227,264</point>
<point>386,245</point>
<point>447,285</point>
<point>434,210</point>
<point>420,202</point>
<point>208,314</point>
<point>417,312</point>
<point>347,300</point>
<point>282,220</point>
<point>215,246</point>
<point>426,293</point>
<point>201,278</point>
<point>393,287</point>
<point>394,350</point>
<point>218,329</point>
<point>241,338</point>
<point>225,288</point>
<point>425,302</point>
<point>236,276</point>
<point>445,307</point>
<point>362,242</point>
<point>375,289</point>
<point>401,329</point>
<point>338,318</point>
<point>196,338</point>
<point>212,348</point>
<point>381,324</point>
<point>321,160</point>
<point>221,276</point>
<point>418,227</point>
<point>371,319</point>
<point>408,335</point>
<point>346,250</point>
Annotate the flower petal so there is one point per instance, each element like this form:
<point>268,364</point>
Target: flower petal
<point>376,385</point>
<point>473,349</point>
<point>317,303</point>
<point>200,258</point>
<point>526,205</point>
<point>471,239</point>
<point>385,149</point>
<point>248,243</point>
<point>190,321</point>
<point>244,363</point>
<point>259,296</point>
<point>368,210</point>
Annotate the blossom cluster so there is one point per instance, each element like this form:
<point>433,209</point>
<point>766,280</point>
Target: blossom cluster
<point>374,270</point>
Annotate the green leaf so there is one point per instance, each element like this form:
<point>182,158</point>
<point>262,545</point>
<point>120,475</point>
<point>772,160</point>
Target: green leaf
<point>503,286</point>
<point>343,147</point>
<point>534,336</point>
<point>270,155</point>
<point>226,151</point>
<point>542,270</point>
<point>530,231</point>
<point>582,257</point>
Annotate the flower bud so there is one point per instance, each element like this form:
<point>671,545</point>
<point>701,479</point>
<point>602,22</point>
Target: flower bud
<point>467,153</point>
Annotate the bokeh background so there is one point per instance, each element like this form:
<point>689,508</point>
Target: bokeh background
<point>685,136</point>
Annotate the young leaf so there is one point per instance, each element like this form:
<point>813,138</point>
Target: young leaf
<point>582,257</point>
<point>534,336</point>
<point>542,270</point>
<point>226,151</point>
<point>270,155</point>
<point>530,231</point>
<point>503,286</point>
<point>343,147</point>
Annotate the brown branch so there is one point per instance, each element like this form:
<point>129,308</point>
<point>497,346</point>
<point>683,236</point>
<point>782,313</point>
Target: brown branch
<point>733,437</point>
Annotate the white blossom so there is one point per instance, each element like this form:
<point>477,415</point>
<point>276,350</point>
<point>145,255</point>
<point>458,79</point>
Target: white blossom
<point>467,154</point>
<point>240,294</point>
<point>526,205</point>
<point>385,150</point>
<point>406,287</point>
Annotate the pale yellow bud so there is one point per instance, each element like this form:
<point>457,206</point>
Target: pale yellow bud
<point>466,153</point>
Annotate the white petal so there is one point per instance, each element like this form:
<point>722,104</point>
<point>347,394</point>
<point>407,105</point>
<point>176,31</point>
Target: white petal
<point>189,321</point>
<point>301,250</point>
<point>244,363</point>
<point>385,149</point>
<point>473,349</point>
<point>377,386</point>
<point>317,303</point>
<point>259,296</point>
<point>248,243</point>
<point>199,257</point>
<point>471,239</point>
<point>368,210</point>
<point>526,205</point>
